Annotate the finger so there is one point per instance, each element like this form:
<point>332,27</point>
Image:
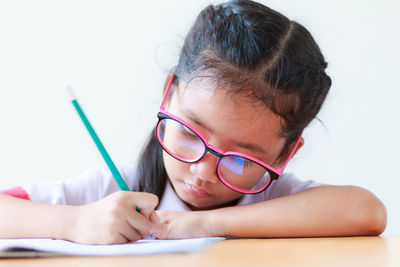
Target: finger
<point>120,239</point>
<point>145,201</point>
<point>160,220</point>
<point>112,237</point>
<point>130,233</point>
<point>139,222</point>
<point>126,232</point>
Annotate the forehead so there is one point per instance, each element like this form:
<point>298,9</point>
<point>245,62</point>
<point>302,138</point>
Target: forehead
<point>228,117</point>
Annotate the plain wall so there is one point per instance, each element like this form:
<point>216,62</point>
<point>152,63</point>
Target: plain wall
<point>115,55</point>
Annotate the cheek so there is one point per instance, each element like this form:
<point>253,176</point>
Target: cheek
<point>177,171</point>
<point>228,194</point>
<point>175,168</point>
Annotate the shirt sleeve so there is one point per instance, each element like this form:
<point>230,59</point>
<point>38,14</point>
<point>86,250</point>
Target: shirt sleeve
<point>91,185</point>
<point>288,184</point>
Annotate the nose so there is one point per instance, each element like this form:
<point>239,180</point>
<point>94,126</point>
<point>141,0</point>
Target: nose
<point>205,169</point>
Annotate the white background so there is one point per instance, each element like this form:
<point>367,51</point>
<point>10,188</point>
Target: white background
<point>115,54</point>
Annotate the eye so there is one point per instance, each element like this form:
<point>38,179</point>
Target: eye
<point>243,162</point>
<point>187,131</point>
<point>248,163</point>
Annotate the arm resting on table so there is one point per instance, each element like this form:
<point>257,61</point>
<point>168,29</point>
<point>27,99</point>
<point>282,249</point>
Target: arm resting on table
<point>320,211</point>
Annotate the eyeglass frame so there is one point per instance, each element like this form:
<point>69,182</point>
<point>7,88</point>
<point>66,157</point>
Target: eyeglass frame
<point>274,174</point>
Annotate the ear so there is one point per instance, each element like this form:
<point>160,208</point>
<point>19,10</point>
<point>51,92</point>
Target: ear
<point>281,160</point>
<point>167,81</point>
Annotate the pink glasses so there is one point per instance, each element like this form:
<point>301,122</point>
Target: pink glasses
<point>238,171</point>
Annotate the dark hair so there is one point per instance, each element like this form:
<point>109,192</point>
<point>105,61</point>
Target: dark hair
<point>253,50</point>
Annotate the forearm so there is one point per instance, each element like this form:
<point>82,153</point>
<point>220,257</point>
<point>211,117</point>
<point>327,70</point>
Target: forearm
<point>27,219</point>
<point>320,211</point>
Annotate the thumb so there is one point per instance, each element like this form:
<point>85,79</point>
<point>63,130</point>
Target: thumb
<point>154,218</point>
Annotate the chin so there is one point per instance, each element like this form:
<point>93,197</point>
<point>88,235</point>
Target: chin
<point>197,203</point>
<point>199,206</point>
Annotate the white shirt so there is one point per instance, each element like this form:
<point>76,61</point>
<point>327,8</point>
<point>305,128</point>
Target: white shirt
<point>96,183</point>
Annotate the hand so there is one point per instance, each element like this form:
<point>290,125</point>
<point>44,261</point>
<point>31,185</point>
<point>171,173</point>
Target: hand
<point>114,219</point>
<point>178,225</point>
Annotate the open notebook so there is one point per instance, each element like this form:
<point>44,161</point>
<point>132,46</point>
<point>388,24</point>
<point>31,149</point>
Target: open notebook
<point>51,247</point>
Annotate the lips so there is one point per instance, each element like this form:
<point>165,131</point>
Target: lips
<point>196,191</point>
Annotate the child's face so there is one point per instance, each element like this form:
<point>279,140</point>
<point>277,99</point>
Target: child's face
<point>225,122</point>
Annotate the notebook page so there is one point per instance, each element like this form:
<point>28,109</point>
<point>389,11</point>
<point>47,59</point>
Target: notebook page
<point>51,247</point>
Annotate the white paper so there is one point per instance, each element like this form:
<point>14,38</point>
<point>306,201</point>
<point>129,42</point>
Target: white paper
<point>51,247</point>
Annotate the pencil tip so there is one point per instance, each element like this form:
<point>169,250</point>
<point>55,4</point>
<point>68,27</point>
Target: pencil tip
<point>70,93</point>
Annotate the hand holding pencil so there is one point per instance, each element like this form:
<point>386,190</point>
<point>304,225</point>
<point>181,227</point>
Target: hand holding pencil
<point>114,218</point>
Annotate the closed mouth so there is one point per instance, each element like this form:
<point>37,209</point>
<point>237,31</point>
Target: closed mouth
<point>196,191</point>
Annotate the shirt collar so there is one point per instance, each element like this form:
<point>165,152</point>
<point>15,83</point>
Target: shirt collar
<point>171,201</point>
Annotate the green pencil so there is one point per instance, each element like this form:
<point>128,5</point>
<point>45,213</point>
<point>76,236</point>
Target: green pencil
<point>114,171</point>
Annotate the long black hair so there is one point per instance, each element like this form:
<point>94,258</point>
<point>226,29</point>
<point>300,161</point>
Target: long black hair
<point>249,48</point>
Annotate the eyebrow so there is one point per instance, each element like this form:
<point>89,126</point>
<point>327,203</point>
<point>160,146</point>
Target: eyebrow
<point>193,117</point>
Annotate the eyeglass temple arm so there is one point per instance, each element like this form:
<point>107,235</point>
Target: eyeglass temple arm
<point>280,170</point>
<point>167,91</point>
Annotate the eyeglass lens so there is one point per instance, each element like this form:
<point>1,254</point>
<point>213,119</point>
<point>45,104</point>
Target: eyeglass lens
<point>236,172</point>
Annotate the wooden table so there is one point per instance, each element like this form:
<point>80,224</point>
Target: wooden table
<point>324,252</point>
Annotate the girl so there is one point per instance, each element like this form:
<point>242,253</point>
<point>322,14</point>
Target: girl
<point>247,83</point>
